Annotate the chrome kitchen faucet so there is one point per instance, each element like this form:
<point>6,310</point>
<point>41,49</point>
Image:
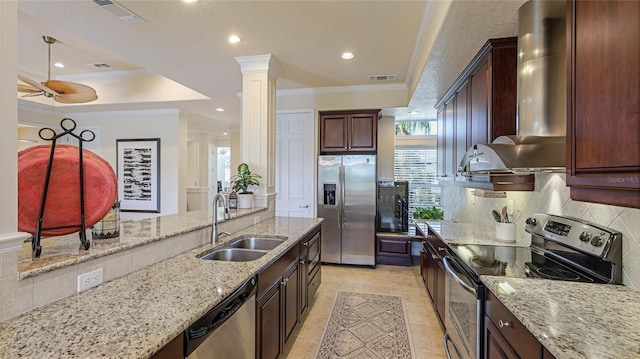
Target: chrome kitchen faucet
<point>214,226</point>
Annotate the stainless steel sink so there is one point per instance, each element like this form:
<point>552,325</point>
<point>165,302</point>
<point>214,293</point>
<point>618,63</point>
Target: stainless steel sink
<point>234,255</point>
<point>260,243</point>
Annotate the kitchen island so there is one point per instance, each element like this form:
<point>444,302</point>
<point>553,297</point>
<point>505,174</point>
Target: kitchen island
<point>572,320</point>
<point>136,315</point>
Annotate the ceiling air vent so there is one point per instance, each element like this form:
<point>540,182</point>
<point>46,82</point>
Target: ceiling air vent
<point>124,14</point>
<point>99,65</point>
<point>383,77</point>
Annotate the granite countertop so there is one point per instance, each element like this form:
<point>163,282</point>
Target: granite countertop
<point>574,320</point>
<point>470,233</point>
<point>136,315</point>
<point>62,251</point>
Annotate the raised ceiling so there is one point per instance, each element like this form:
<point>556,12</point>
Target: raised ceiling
<point>180,57</point>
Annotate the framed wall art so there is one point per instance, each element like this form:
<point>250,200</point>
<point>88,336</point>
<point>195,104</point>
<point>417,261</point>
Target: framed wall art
<point>138,167</point>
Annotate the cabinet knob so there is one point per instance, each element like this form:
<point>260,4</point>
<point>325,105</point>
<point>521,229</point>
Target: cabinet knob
<point>441,249</point>
<point>302,262</point>
<point>305,206</point>
<point>306,244</point>
<point>434,256</point>
<point>504,324</point>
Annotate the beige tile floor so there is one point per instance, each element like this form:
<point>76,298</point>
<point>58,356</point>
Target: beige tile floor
<point>404,281</point>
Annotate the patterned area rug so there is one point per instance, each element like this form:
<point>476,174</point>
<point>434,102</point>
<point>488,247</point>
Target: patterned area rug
<point>366,326</point>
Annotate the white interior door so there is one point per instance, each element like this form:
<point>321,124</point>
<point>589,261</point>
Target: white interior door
<point>295,164</point>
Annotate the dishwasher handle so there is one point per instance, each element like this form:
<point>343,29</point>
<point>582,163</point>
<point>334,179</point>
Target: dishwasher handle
<point>221,312</point>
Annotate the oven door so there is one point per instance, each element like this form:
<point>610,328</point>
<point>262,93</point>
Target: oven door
<point>463,312</point>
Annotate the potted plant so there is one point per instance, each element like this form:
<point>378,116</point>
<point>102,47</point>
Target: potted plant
<point>428,213</point>
<point>241,182</point>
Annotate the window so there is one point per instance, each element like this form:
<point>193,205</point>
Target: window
<point>416,128</point>
<point>415,160</point>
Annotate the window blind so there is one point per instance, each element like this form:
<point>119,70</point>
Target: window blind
<point>418,166</point>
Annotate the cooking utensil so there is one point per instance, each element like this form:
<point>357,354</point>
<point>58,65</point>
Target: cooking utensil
<point>496,216</point>
<point>504,216</point>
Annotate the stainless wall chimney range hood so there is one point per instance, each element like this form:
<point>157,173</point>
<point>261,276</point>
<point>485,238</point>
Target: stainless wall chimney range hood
<point>509,162</point>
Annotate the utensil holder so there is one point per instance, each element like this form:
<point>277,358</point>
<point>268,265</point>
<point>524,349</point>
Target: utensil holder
<point>506,232</point>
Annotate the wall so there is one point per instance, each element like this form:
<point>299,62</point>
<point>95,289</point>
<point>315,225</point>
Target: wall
<point>164,124</point>
<point>386,147</point>
<point>551,196</point>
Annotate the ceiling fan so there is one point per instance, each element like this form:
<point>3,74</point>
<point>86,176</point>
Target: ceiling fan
<point>61,91</point>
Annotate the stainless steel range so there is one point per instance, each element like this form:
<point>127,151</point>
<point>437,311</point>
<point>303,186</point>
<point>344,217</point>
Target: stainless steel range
<point>562,248</point>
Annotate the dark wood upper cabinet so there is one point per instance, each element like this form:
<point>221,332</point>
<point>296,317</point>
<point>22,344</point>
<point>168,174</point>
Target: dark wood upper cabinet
<point>480,105</point>
<point>349,131</point>
<point>603,102</point>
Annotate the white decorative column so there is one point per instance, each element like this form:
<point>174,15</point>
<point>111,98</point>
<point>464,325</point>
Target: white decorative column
<point>259,75</point>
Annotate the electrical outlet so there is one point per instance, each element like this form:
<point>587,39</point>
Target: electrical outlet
<point>89,280</point>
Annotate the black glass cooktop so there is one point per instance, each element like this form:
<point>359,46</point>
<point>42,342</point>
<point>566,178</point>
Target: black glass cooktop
<point>518,262</point>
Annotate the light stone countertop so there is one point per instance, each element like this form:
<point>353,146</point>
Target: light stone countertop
<point>470,233</point>
<point>63,251</point>
<point>574,320</point>
<point>136,315</point>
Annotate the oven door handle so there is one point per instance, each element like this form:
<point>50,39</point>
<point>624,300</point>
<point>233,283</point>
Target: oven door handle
<point>447,340</point>
<point>446,261</point>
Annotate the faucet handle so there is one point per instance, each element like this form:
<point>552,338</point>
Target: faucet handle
<point>223,232</point>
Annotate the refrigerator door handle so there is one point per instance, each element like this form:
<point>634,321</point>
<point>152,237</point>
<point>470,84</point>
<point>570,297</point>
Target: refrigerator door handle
<point>342,195</point>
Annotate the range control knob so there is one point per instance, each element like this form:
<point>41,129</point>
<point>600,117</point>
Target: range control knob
<point>585,236</point>
<point>597,241</point>
<point>532,221</point>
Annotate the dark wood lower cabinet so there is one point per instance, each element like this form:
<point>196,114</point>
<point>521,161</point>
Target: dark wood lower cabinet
<point>268,324</point>
<point>173,350</point>
<point>496,346</point>
<point>505,336</point>
<point>393,250</point>
<point>291,305</point>
<point>433,274</point>
<point>285,291</point>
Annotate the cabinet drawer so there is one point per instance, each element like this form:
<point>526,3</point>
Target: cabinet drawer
<point>274,272</point>
<point>519,337</point>
<point>438,245</point>
<point>397,246</point>
<point>314,283</point>
<point>314,252</point>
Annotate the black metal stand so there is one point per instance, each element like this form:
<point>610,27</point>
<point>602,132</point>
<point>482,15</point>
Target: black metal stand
<point>49,134</point>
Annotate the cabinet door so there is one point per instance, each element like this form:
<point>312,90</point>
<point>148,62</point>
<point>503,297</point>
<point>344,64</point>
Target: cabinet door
<point>291,301</point>
<point>268,323</point>
<point>423,266</point>
<point>460,114</point>
<point>173,350</point>
<point>333,132</point>
<point>604,102</point>
<point>496,347</point>
<point>440,291</point>
<point>303,285</point>
<point>442,144</point>
<point>449,128</point>
<point>432,265</point>
<point>363,132</point>
<point>479,104</point>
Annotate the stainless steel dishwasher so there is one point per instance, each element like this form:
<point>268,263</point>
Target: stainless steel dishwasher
<point>228,330</point>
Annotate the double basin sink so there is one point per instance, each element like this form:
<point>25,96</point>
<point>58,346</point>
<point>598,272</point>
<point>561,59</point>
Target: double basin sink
<point>245,248</point>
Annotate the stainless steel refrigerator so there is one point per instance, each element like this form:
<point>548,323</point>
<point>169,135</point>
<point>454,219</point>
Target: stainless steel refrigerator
<point>347,202</point>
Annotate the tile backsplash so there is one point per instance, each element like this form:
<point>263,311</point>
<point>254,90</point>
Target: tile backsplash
<point>551,196</point>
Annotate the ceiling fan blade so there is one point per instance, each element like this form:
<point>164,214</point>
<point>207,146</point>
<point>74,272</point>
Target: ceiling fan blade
<point>33,94</point>
<point>28,89</point>
<point>71,92</point>
<point>37,85</point>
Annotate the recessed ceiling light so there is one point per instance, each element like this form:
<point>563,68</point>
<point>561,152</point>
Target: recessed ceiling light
<point>347,55</point>
<point>190,1</point>
<point>234,39</point>
<point>220,109</point>
<point>58,64</point>
<point>225,133</point>
<point>414,112</point>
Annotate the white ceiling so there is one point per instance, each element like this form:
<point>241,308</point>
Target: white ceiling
<point>180,57</point>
